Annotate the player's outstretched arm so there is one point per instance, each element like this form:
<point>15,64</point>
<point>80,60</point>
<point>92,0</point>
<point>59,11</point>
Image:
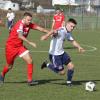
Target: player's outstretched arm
<point>26,40</point>
<point>42,29</point>
<point>44,37</point>
<point>76,44</point>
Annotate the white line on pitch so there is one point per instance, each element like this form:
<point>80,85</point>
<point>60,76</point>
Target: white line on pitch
<point>44,51</point>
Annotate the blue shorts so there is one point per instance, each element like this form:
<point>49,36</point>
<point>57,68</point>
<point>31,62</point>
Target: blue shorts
<point>59,60</point>
<point>10,24</point>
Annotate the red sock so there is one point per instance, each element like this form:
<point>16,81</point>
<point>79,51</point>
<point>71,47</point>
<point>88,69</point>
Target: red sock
<point>29,71</point>
<point>5,70</point>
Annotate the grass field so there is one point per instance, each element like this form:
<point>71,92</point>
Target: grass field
<point>52,86</point>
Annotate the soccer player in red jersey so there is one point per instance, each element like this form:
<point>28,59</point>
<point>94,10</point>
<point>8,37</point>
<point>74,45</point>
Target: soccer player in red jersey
<point>58,20</point>
<point>15,47</point>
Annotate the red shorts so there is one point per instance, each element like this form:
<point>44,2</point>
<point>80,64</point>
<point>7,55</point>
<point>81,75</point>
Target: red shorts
<point>13,52</point>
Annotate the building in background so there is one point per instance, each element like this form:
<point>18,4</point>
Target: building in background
<point>63,2</point>
<point>5,5</point>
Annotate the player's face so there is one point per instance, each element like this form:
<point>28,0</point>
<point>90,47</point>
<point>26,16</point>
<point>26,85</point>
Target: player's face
<point>58,12</point>
<point>70,26</point>
<point>9,11</point>
<point>28,20</point>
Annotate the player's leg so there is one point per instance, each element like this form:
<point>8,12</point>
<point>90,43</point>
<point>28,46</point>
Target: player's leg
<point>28,59</point>
<point>7,67</point>
<point>5,70</point>
<point>11,24</point>
<point>8,24</point>
<point>51,65</point>
<point>10,56</point>
<point>67,61</point>
<point>70,72</point>
<point>55,65</point>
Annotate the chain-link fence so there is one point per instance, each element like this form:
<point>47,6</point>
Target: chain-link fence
<point>86,12</point>
<point>86,19</point>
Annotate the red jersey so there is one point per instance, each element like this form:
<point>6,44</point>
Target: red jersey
<point>13,39</point>
<point>58,20</point>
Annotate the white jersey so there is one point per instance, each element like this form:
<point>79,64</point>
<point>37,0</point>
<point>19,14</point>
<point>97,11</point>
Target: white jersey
<point>56,44</point>
<point>10,16</point>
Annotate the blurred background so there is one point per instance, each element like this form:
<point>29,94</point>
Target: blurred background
<point>86,12</point>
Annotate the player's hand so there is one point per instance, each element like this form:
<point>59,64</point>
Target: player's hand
<point>55,33</point>
<point>44,37</point>
<point>33,44</point>
<point>81,50</point>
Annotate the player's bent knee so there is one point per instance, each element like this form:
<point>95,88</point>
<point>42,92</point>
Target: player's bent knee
<point>30,61</point>
<point>70,66</point>
<point>62,72</point>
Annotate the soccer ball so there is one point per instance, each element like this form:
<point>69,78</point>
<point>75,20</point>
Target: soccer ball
<point>90,86</point>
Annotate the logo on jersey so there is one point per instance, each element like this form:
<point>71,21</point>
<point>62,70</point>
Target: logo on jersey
<point>25,30</point>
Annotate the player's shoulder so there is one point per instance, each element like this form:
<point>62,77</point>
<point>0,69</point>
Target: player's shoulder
<point>62,29</point>
<point>33,25</point>
<point>55,15</point>
<point>19,22</point>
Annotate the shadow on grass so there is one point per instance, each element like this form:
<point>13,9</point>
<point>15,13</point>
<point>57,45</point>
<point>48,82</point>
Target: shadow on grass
<point>40,81</point>
<point>54,81</point>
<point>80,82</point>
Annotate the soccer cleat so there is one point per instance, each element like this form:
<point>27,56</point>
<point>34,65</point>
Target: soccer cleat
<point>69,83</point>
<point>44,65</point>
<point>31,83</point>
<point>1,79</point>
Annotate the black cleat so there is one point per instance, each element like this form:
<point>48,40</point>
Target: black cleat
<point>69,84</point>
<point>44,65</point>
<point>1,79</point>
<point>32,83</point>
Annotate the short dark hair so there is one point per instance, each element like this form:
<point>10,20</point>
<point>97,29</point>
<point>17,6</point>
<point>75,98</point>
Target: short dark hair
<point>27,14</point>
<point>9,9</point>
<point>58,9</point>
<point>73,21</point>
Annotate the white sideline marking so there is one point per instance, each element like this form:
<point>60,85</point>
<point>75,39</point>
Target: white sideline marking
<point>92,48</point>
<point>39,51</point>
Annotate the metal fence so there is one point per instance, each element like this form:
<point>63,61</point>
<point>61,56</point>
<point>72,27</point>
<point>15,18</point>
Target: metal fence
<point>87,16</point>
<point>86,20</point>
<point>86,12</point>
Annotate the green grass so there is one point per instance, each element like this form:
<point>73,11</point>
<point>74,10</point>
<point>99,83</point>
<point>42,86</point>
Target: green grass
<point>52,86</point>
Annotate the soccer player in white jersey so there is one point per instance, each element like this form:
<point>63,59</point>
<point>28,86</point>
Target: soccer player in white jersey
<point>10,18</point>
<point>58,57</point>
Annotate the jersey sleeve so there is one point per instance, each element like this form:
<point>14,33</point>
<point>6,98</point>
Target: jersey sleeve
<point>54,17</point>
<point>33,25</point>
<point>60,30</point>
<point>69,36</point>
<point>20,28</point>
<point>63,17</point>
<point>13,15</point>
